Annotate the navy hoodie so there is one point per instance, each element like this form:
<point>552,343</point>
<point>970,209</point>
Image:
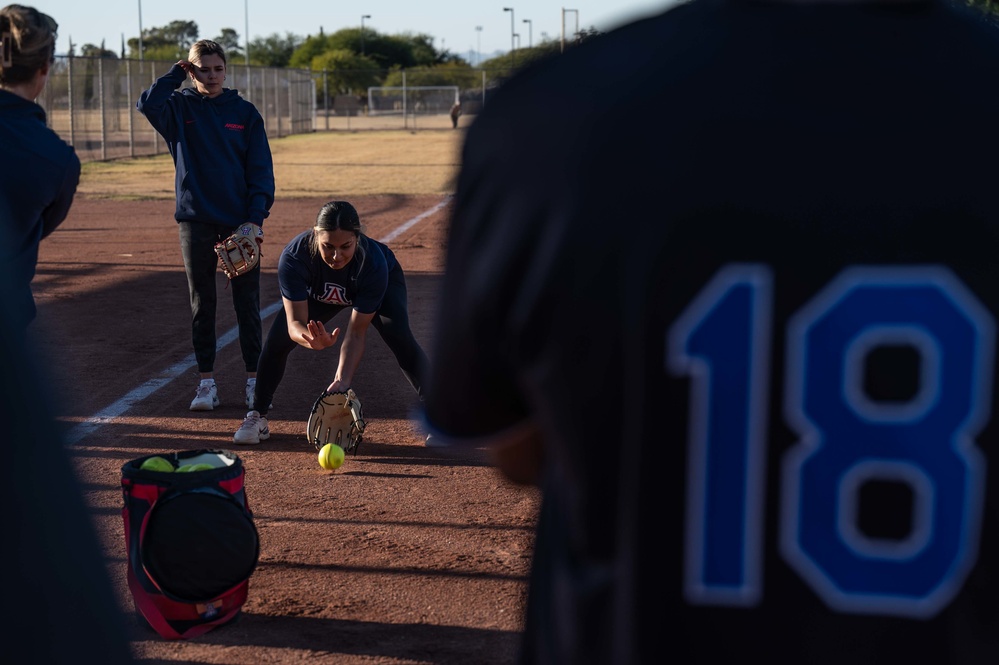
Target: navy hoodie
<point>39,174</point>
<point>224,172</point>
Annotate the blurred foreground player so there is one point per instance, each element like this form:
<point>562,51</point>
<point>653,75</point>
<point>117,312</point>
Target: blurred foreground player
<point>39,172</point>
<point>59,606</point>
<point>746,348</point>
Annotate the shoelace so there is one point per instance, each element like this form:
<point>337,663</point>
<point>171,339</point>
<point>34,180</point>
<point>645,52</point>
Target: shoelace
<point>204,391</point>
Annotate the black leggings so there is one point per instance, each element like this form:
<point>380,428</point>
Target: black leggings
<point>197,246</point>
<point>391,321</point>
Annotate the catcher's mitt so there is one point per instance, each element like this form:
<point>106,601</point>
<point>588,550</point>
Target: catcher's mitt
<point>240,252</point>
<point>336,418</point>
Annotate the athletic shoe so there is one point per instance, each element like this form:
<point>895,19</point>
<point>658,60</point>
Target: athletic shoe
<point>251,402</point>
<point>253,430</point>
<point>207,397</point>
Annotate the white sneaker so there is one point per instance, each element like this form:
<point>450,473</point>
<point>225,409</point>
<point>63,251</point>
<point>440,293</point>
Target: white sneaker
<point>207,397</point>
<point>253,430</point>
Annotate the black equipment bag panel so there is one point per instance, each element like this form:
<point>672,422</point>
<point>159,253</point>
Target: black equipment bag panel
<point>192,544</point>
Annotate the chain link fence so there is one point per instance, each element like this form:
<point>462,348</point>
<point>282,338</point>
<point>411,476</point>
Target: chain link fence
<point>90,102</point>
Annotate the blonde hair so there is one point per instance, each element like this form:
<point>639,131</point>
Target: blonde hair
<point>27,43</point>
<point>205,47</point>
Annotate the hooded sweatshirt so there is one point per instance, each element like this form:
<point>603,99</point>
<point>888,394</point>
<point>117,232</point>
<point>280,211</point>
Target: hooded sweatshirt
<point>39,174</point>
<point>224,172</point>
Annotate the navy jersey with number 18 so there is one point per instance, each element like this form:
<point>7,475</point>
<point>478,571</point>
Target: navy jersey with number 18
<point>764,363</point>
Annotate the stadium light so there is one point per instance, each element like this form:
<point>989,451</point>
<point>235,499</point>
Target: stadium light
<point>362,31</point>
<point>530,32</point>
<point>513,49</point>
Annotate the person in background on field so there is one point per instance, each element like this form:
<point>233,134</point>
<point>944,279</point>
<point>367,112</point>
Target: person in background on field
<point>39,172</point>
<point>779,440</point>
<point>455,113</point>
<point>323,271</point>
<point>224,178</point>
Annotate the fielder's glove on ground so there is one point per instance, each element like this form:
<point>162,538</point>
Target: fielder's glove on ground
<point>240,252</point>
<point>336,418</point>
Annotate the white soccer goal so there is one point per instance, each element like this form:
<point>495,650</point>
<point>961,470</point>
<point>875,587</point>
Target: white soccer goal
<point>412,100</point>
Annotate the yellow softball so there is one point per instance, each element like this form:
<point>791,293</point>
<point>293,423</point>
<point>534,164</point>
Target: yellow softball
<point>330,456</point>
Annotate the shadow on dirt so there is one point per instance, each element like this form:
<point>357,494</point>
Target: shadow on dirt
<point>423,643</point>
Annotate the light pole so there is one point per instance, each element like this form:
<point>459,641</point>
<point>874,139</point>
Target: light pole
<point>362,31</point>
<point>517,36</point>
<point>140,30</point>
<point>246,13</point>
<point>530,32</point>
<point>575,15</point>
<point>478,49</point>
<point>513,49</point>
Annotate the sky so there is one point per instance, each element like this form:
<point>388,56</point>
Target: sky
<point>451,23</point>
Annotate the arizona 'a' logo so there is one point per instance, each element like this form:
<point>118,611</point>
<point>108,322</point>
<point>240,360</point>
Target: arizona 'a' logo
<point>334,294</point>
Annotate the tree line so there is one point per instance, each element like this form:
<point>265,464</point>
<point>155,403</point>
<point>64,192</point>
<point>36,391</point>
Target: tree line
<point>351,59</point>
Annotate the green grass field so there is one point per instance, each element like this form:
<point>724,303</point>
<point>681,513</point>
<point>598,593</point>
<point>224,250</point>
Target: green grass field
<point>360,163</point>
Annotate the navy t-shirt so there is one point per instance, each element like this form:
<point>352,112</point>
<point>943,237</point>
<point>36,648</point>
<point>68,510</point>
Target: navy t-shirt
<point>360,284</point>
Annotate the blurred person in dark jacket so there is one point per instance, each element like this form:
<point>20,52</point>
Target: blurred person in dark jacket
<point>747,349</point>
<point>39,172</point>
<point>59,605</point>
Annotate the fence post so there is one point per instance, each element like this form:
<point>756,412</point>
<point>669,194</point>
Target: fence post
<point>405,106</point>
<point>156,134</point>
<point>326,98</point>
<point>291,106</point>
<point>69,90</point>
<point>100,92</point>
<point>483,88</point>
<point>277,100</point>
<point>263,99</point>
<point>128,107</point>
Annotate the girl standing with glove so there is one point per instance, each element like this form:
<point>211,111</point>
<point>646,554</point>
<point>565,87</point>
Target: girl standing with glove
<point>224,178</point>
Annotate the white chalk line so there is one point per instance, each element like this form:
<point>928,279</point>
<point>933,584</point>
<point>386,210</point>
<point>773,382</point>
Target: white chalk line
<point>416,220</point>
<point>122,406</point>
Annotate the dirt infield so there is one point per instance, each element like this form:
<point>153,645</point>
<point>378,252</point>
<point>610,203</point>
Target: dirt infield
<point>403,555</point>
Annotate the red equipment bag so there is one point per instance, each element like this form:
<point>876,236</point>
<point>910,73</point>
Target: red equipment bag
<point>192,545</point>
